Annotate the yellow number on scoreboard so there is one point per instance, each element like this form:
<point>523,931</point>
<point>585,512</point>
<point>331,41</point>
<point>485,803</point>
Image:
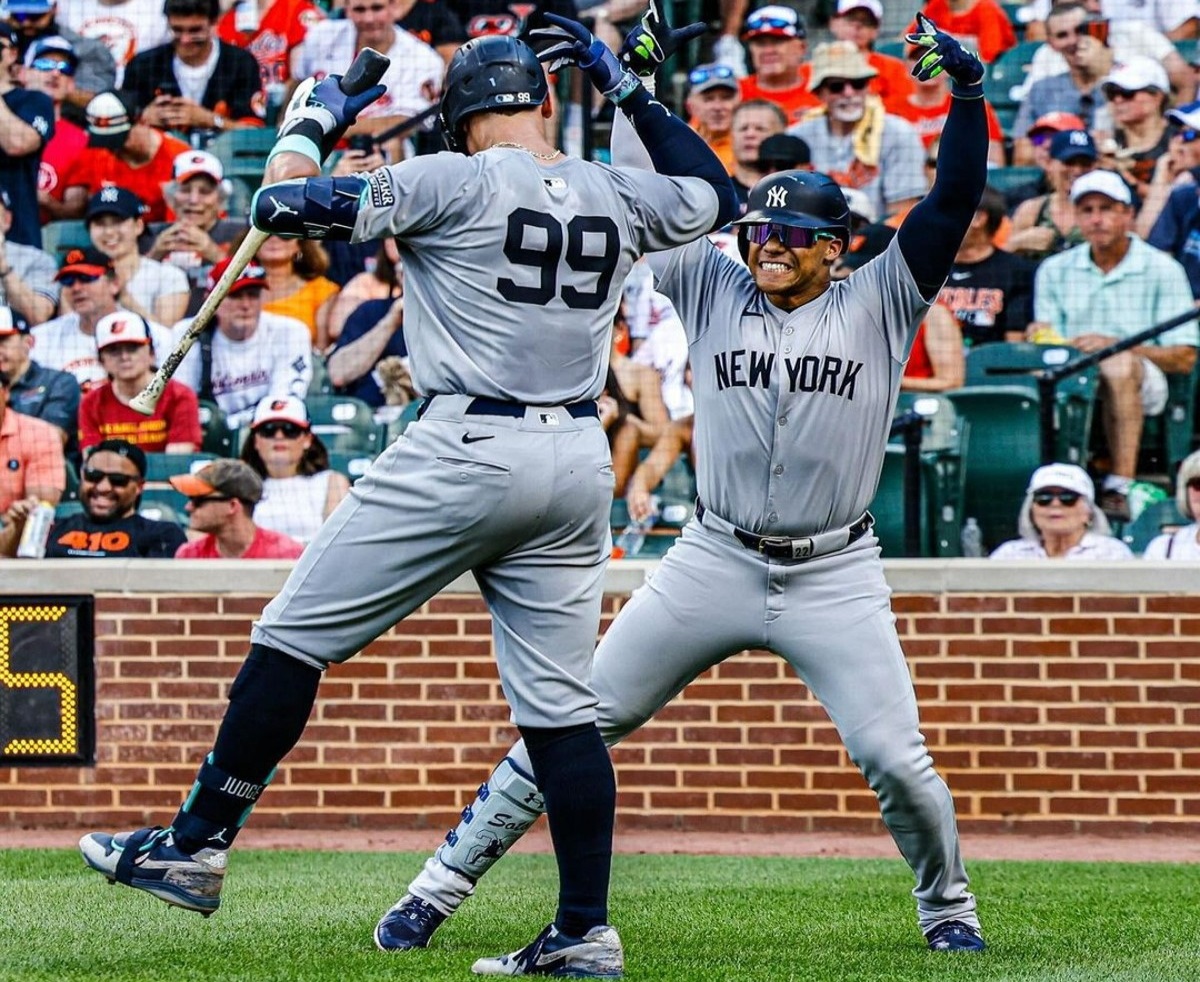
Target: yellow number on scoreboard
<point>68,696</point>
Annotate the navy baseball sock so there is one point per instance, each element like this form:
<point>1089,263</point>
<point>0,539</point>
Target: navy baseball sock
<point>269,705</point>
<point>575,775</point>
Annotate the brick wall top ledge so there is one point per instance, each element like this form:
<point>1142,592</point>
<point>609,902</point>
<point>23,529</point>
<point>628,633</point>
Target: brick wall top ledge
<point>134,576</point>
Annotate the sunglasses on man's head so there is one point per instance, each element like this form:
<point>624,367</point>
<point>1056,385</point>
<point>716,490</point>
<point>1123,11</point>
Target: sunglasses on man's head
<point>53,65</point>
<point>118,480</point>
<point>699,76</point>
<point>770,23</point>
<point>289,431</point>
<point>1047,498</point>
<point>72,278</point>
<point>790,236</point>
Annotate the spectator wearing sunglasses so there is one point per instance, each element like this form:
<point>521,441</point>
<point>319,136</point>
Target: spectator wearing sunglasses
<point>109,527</point>
<point>26,273</point>
<point>778,43</point>
<point>95,70</point>
<point>299,490</point>
<point>1059,520</point>
<point>68,342</point>
<point>1038,136</point>
<point>26,124</point>
<point>50,67</point>
<point>854,139</point>
<point>1138,94</point>
<point>857,21</point>
<point>1170,215</point>
<point>123,342</point>
<point>1176,20</point>
<point>713,94</point>
<point>1046,225</point>
<point>222,498</point>
<point>1182,543</point>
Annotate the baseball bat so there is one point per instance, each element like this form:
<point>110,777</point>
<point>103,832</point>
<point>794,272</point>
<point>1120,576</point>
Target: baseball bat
<point>366,70</point>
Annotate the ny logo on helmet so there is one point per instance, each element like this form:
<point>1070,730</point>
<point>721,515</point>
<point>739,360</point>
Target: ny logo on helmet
<point>776,197</point>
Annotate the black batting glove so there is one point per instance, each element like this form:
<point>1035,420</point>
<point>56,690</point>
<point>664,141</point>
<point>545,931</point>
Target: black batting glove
<point>945,54</point>
<point>653,41</point>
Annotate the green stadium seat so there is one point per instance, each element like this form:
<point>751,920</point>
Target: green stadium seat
<point>240,195</point>
<point>345,424</point>
<point>1169,437</point>
<point>1188,48</point>
<point>65,509</point>
<point>1013,364</point>
<point>164,504</point>
<point>893,49</point>
<point>218,437</point>
<point>352,465</point>
<point>59,238</point>
<point>1006,179</point>
<point>161,466</point>
<point>1153,521</point>
<point>243,153</point>
<point>1005,448</point>
<point>1005,76</point>
<point>320,384</point>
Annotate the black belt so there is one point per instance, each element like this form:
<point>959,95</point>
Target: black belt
<point>800,547</point>
<point>497,407</point>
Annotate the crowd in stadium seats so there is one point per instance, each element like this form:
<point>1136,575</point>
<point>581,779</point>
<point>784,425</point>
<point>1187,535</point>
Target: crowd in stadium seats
<point>133,134</point>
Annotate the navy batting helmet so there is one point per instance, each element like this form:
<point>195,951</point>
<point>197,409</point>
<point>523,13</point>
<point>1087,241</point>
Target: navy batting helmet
<point>804,199</point>
<point>488,73</point>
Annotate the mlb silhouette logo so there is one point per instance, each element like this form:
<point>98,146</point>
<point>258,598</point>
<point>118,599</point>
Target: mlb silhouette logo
<point>548,419</point>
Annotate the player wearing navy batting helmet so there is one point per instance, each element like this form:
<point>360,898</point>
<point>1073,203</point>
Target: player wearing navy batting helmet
<point>795,378</point>
<point>506,472</point>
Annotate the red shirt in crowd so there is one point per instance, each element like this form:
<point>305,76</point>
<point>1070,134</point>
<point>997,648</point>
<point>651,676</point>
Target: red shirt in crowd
<point>97,168</point>
<point>176,419</point>
<point>281,28</point>
<point>68,142</point>
<point>985,28</point>
<point>266,545</point>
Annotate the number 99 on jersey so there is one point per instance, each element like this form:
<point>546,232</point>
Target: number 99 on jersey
<point>46,681</point>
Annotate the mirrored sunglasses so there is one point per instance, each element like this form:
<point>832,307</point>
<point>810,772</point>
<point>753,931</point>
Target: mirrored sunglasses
<point>1047,498</point>
<point>94,475</point>
<point>699,76</point>
<point>1187,134</point>
<point>53,65</point>
<point>769,23</point>
<point>790,236</point>
<point>289,431</point>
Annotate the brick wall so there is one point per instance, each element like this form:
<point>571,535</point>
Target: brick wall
<point>1045,711</point>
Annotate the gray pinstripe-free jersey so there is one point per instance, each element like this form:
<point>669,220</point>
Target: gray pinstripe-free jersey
<point>811,391</point>
<point>571,233</point>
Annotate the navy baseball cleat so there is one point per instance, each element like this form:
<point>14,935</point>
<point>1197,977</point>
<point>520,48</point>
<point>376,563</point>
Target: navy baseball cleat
<point>597,955</point>
<point>955,936</point>
<point>409,924</point>
<point>149,860</point>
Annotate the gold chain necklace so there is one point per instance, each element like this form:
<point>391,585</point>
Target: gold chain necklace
<point>532,153</point>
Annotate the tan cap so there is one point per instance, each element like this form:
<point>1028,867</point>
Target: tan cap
<point>225,476</point>
<point>838,59</point>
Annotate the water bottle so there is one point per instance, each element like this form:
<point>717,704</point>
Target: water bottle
<point>629,543</point>
<point>36,532</point>
<point>972,540</point>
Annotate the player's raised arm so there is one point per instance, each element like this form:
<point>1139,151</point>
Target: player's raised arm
<point>934,229</point>
<point>675,149</point>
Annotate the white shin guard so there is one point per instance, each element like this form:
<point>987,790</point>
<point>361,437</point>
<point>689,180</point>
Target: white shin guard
<point>505,807</point>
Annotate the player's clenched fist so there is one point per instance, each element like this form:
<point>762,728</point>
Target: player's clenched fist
<point>945,54</point>
<point>653,41</point>
<point>570,43</point>
<point>322,112</point>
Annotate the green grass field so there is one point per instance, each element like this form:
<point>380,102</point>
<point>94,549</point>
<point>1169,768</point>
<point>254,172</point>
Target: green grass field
<point>307,917</point>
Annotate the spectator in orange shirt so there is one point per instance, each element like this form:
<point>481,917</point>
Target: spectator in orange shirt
<point>127,354</point>
<point>32,467</point>
<point>777,39</point>
<point>711,99</point>
<point>269,30</point>
<point>928,104</point>
<point>125,153</point>
<point>858,21</point>
<point>221,500</point>
<point>981,25</point>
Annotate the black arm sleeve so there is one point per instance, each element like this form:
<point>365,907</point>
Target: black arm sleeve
<point>679,151</point>
<point>934,229</point>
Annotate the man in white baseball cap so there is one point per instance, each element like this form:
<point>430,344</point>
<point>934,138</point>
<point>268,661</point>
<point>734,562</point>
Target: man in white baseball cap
<point>1109,287</point>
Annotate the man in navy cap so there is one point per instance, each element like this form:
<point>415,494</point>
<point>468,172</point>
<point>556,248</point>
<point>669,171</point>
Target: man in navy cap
<point>95,70</point>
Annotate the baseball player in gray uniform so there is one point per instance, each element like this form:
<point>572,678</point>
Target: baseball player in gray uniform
<point>514,257</point>
<point>795,381</point>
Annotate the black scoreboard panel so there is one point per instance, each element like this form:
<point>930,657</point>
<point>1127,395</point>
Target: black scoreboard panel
<point>47,681</point>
